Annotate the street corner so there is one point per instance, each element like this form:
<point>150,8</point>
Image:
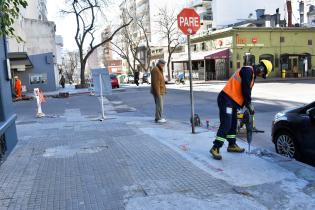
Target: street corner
<point>258,168</point>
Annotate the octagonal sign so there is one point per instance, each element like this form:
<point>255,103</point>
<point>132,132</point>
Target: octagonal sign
<point>188,21</point>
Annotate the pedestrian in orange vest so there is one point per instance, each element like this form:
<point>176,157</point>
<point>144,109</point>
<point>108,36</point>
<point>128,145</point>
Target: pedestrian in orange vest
<point>18,87</point>
<point>235,95</point>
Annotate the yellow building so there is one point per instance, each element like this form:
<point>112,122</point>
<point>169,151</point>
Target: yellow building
<point>222,52</point>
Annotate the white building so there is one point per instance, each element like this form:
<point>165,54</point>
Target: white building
<point>204,9</point>
<point>309,12</point>
<point>227,12</point>
<point>59,49</point>
<point>36,9</point>
<point>37,33</point>
<point>34,59</point>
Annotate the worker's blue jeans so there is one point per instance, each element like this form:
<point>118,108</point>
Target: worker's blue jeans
<point>228,120</point>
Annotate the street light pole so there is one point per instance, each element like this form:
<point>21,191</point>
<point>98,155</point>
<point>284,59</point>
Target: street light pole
<point>191,86</point>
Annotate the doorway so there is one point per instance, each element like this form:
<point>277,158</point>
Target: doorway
<point>210,70</point>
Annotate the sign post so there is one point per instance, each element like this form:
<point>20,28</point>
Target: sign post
<point>188,22</point>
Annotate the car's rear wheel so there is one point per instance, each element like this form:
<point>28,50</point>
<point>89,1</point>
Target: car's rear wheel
<point>285,144</point>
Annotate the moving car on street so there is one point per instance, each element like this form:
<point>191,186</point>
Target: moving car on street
<point>114,80</point>
<point>293,133</point>
<point>146,78</point>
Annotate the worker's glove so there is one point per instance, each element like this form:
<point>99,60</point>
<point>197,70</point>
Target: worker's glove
<point>251,108</point>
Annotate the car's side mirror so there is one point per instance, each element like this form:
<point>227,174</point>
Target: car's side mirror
<point>311,112</point>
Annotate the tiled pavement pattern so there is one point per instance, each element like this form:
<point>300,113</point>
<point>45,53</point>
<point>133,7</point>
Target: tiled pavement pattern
<point>76,162</point>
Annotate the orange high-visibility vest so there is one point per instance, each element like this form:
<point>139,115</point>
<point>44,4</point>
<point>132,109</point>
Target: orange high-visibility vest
<point>233,87</point>
<point>18,84</point>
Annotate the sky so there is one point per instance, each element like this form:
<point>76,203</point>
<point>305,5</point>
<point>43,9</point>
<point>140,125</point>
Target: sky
<point>66,25</point>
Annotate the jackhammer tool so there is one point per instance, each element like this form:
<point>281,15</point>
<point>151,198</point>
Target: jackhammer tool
<point>242,121</point>
<point>249,121</point>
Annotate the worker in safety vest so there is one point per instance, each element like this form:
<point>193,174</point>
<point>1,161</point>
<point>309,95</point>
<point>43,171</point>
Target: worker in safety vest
<point>18,87</point>
<point>235,95</point>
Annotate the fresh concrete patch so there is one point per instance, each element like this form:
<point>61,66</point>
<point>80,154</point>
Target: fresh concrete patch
<point>70,151</point>
<point>182,202</point>
<point>117,102</point>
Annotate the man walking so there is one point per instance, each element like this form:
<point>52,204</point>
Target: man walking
<point>62,81</point>
<point>136,77</point>
<point>158,90</point>
<point>236,94</point>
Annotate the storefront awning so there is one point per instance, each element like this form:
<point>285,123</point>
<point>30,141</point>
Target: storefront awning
<point>18,59</point>
<point>196,56</point>
<point>218,54</point>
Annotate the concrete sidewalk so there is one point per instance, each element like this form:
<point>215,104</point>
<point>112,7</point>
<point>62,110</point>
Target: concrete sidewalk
<point>74,161</point>
<point>68,89</point>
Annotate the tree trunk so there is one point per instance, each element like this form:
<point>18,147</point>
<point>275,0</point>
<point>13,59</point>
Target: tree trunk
<point>168,64</point>
<point>82,75</point>
<point>169,77</point>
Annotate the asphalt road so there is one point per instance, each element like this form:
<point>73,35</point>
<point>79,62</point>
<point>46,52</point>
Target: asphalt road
<point>275,98</point>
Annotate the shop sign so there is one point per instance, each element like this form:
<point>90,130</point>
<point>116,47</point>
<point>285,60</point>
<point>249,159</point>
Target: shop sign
<point>225,42</point>
<point>254,40</point>
<point>243,42</point>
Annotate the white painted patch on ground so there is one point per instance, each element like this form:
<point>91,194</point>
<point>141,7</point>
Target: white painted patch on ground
<point>181,202</point>
<point>237,169</point>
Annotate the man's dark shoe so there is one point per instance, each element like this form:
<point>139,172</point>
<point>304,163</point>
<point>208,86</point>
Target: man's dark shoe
<point>235,148</point>
<point>215,152</point>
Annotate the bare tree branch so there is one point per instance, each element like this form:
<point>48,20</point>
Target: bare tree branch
<point>168,30</point>
<point>85,12</point>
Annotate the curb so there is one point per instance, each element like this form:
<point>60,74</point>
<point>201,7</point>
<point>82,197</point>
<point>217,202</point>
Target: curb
<point>259,80</point>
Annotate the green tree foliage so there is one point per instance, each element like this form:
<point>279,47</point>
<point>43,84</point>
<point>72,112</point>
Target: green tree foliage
<point>10,11</point>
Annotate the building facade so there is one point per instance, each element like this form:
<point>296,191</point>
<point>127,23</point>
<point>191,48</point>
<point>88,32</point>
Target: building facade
<point>220,54</point>
<point>36,9</point>
<point>39,73</point>
<point>8,136</point>
<point>204,9</point>
<point>39,38</point>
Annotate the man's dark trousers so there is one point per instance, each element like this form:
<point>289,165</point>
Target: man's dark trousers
<point>228,120</point>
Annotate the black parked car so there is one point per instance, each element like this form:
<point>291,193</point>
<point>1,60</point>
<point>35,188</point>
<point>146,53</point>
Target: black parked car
<point>293,133</point>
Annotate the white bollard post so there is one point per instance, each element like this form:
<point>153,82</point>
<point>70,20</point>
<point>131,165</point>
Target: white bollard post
<point>102,99</point>
<point>39,106</point>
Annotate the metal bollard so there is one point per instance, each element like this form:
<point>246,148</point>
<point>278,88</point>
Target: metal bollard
<point>283,73</point>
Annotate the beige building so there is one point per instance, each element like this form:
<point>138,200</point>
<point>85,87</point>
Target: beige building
<point>106,52</point>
